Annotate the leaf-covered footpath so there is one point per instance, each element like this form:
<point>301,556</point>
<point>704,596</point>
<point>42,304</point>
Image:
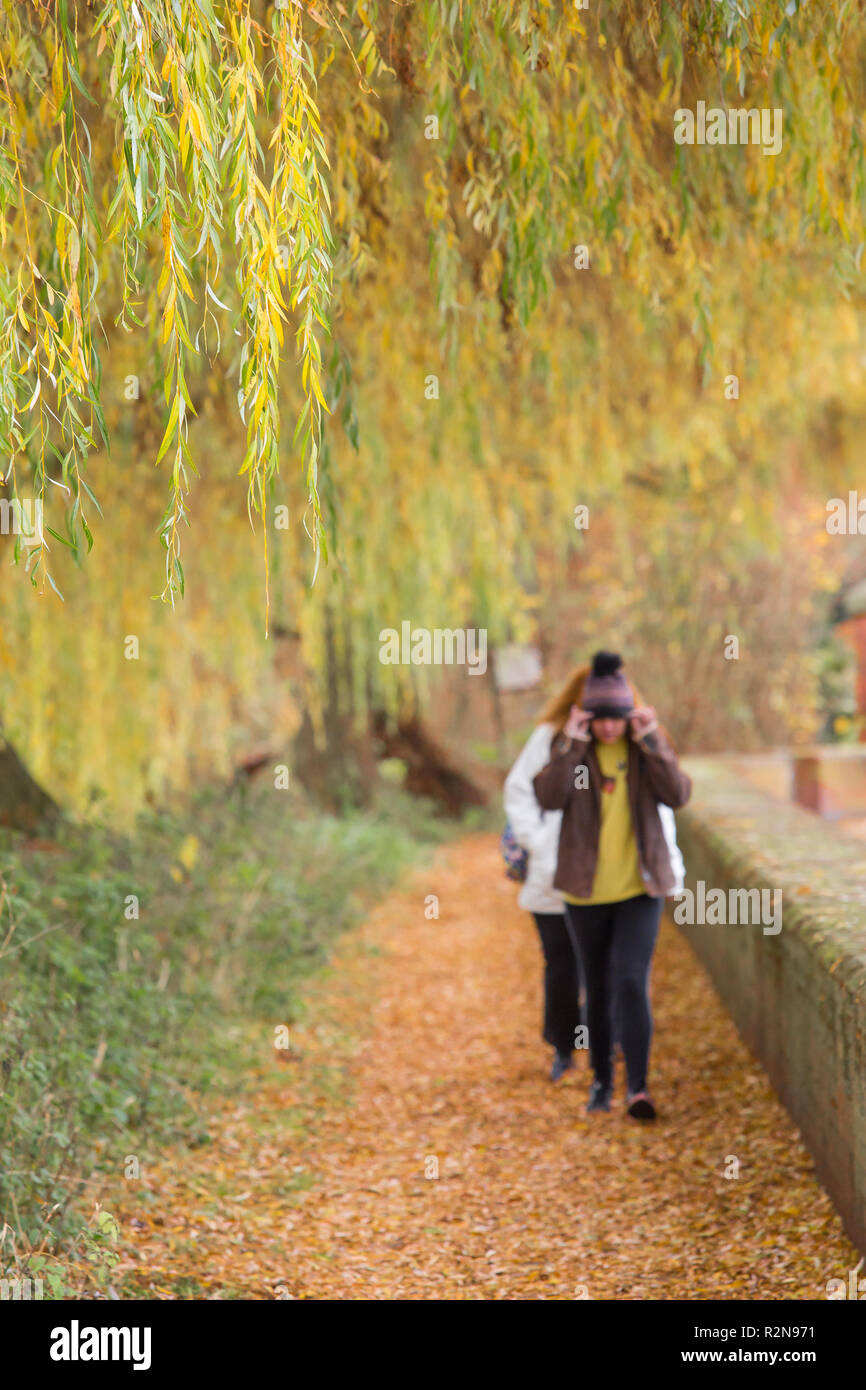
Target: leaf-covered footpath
<point>407,1143</point>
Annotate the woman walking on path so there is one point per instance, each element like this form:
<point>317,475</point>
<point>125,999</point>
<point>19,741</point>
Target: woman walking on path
<point>611,772</point>
<point>537,831</point>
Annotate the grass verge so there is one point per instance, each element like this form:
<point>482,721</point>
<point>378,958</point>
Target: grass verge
<point>131,970</point>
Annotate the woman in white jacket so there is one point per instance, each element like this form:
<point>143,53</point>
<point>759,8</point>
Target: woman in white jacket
<point>537,831</point>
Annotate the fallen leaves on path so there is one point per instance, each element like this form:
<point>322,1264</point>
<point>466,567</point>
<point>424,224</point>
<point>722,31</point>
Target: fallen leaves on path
<point>417,1149</point>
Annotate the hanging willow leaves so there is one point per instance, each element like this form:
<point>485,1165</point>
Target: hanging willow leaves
<point>184,95</point>
<point>225,178</point>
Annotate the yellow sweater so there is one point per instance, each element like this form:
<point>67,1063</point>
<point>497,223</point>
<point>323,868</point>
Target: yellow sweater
<point>617,870</point>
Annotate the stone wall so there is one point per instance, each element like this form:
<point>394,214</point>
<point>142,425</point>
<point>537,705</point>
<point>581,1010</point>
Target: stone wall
<point>797,997</point>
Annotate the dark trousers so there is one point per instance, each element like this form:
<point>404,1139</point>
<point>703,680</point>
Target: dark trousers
<point>616,942</point>
<point>562,981</point>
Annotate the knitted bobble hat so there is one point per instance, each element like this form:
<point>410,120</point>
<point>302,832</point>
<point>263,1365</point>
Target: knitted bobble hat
<point>606,692</point>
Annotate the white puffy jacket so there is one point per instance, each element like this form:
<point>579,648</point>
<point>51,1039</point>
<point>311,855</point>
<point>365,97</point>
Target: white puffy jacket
<point>538,831</point>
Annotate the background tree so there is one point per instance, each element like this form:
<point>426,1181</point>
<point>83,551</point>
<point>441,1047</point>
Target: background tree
<point>186,188</point>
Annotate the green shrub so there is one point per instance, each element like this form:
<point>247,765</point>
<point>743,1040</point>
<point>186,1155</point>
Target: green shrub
<point>107,1025</point>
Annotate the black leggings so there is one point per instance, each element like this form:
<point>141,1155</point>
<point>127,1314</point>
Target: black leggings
<point>616,943</point>
<point>562,981</point>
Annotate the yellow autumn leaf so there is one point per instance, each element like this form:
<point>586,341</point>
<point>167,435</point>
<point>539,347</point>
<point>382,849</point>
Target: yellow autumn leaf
<point>188,852</point>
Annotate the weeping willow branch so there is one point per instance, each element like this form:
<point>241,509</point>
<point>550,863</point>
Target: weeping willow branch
<point>163,163</point>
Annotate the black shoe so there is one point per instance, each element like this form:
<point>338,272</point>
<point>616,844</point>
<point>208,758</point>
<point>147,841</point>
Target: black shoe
<point>599,1096</point>
<point>562,1062</point>
<point>639,1105</point>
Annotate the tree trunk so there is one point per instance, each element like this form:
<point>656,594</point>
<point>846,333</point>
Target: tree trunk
<point>23,803</point>
<point>429,770</point>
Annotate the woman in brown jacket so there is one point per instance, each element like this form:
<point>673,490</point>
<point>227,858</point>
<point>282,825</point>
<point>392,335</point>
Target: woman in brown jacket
<point>608,772</point>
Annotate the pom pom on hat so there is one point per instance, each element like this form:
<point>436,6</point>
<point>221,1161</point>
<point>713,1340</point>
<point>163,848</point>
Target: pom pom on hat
<point>606,663</point>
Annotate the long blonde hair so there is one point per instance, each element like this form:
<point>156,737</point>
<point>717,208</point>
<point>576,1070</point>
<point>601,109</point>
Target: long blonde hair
<point>556,710</point>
